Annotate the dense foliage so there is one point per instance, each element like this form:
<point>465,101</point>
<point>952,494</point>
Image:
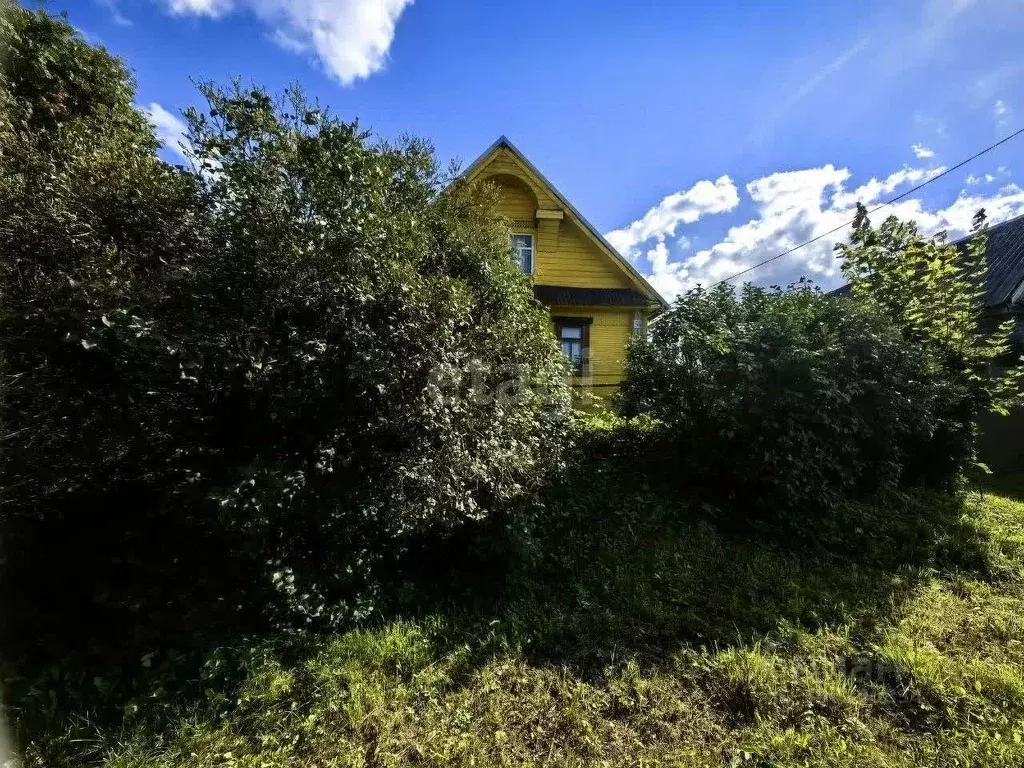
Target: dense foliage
<point>934,292</point>
<point>253,375</point>
<point>788,401</point>
<point>299,380</point>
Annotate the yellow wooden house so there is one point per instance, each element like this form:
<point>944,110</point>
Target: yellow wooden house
<point>596,298</point>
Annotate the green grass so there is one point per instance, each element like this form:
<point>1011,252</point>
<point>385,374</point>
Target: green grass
<point>628,629</point>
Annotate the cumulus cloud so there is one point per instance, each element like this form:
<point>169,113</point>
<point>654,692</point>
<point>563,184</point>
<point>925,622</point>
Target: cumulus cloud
<point>351,38</point>
<point>921,151</point>
<point>661,221</point>
<point>791,208</point>
<point>170,129</point>
<point>873,191</point>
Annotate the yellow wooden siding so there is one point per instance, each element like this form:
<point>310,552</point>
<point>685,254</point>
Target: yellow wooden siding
<point>610,329</point>
<point>517,201</point>
<point>548,236</point>
<point>567,255</point>
<point>576,262</point>
<point>504,164</point>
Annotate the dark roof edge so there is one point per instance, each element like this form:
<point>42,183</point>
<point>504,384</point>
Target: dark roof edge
<point>598,297</point>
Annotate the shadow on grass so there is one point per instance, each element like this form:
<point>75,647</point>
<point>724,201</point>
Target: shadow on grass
<point>103,609</point>
<point>1003,484</point>
<point>603,569</point>
<point>610,569</point>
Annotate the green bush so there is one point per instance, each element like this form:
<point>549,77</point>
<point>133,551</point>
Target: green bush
<point>788,401</point>
<point>934,293</point>
<point>273,366</point>
<point>603,434</point>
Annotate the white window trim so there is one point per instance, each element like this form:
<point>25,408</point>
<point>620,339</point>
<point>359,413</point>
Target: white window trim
<point>533,249</point>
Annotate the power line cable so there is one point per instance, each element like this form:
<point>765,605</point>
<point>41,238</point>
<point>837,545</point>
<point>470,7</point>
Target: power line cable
<point>896,199</point>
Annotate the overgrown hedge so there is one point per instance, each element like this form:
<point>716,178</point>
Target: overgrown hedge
<point>236,386</point>
<point>783,402</point>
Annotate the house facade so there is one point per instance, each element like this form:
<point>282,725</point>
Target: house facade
<point>596,298</point>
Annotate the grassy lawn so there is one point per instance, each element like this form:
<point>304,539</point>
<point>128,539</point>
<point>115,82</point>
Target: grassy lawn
<point>630,629</point>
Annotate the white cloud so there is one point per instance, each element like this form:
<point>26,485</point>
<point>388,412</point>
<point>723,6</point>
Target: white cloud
<point>212,8</point>
<point>661,221</point>
<point>170,129</point>
<point>793,207</point>
<point>351,38</point>
<point>1002,113</point>
<point>921,151</point>
<point>115,13</point>
<point>987,178</point>
<point>873,191</point>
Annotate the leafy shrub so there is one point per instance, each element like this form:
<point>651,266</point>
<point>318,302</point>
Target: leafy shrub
<point>933,292</point>
<point>787,401</point>
<point>603,434</point>
<point>283,360</point>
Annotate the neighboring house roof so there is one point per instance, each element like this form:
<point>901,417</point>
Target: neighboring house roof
<point>646,289</point>
<point>1005,255</point>
<point>589,297</point>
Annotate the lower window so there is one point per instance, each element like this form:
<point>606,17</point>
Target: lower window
<point>574,336</point>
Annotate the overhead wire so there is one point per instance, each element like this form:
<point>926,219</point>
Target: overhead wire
<point>878,207</point>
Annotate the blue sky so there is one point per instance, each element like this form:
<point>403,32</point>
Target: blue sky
<point>702,137</point>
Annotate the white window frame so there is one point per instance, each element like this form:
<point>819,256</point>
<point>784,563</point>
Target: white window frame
<point>533,249</point>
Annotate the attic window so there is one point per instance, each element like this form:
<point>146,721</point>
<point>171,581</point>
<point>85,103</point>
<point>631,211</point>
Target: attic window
<point>522,249</point>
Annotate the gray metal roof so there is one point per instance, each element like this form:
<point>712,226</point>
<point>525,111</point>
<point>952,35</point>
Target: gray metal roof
<point>1005,255</point>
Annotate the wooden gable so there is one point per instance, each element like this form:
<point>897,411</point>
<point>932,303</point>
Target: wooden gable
<point>569,251</point>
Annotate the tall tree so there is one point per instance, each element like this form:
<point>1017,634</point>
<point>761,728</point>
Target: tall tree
<point>934,292</point>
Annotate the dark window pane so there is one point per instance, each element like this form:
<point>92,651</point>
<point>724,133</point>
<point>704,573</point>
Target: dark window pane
<point>570,338</point>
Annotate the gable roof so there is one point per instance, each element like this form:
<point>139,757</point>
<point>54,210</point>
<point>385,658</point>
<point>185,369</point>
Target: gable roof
<point>503,143</point>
